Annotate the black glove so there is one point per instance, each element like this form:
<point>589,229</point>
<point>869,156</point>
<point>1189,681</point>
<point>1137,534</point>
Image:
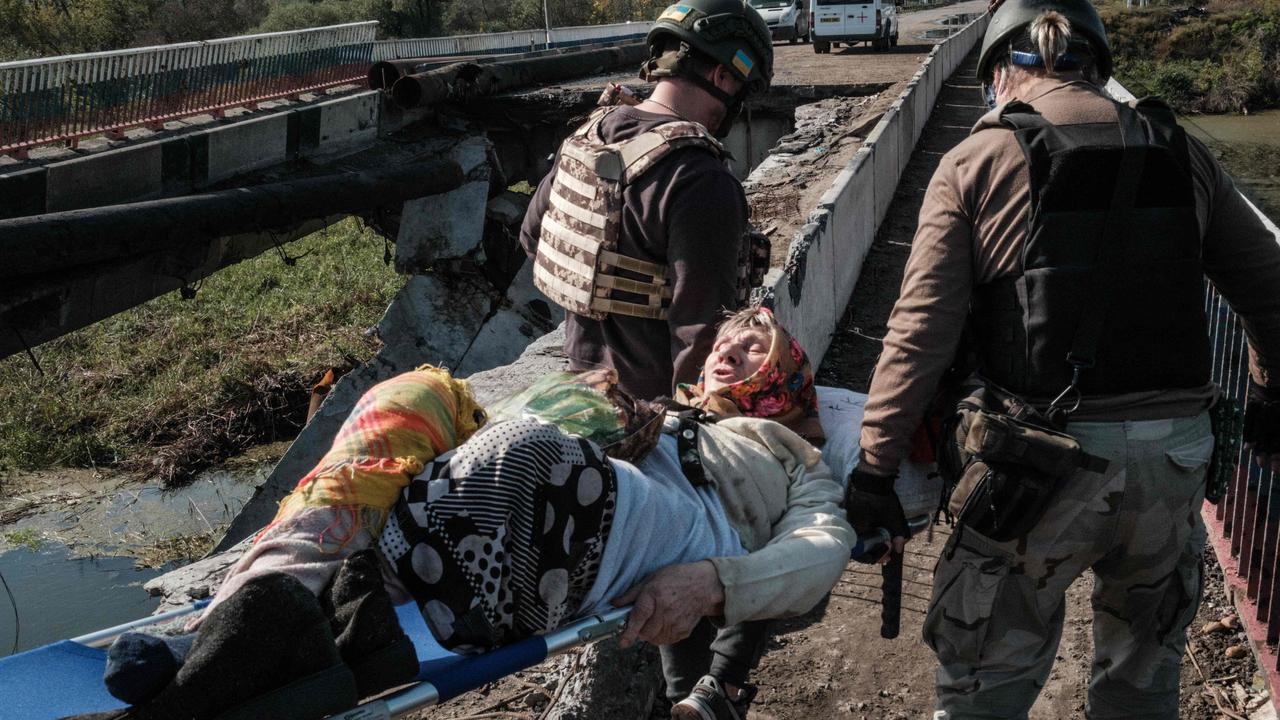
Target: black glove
<point>1262,419</point>
<point>871,503</point>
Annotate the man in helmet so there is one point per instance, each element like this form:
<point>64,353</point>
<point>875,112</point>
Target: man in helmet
<point>1070,234</point>
<point>640,232</point>
<point>640,229</point>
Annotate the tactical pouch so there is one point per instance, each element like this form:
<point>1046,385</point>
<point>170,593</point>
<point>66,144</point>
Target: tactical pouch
<point>1002,501</point>
<point>1227,421</point>
<point>1006,464</point>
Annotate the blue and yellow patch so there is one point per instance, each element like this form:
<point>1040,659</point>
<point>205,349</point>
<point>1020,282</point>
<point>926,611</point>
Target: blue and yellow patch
<point>743,63</point>
<point>676,13</point>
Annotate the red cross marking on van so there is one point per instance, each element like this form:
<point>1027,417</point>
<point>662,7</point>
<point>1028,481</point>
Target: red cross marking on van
<point>862,17</point>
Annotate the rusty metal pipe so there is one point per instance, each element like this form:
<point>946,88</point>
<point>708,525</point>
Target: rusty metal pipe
<point>384,73</point>
<point>55,242</point>
<point>464,80</point>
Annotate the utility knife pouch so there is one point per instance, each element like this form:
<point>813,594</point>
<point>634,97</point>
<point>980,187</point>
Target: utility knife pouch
<point>1227,421</point>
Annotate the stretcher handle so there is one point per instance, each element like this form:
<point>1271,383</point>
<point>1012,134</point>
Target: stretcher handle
<point>492,666</point>
<point>106,636</point>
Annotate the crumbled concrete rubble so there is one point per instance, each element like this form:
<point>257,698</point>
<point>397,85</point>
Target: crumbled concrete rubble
<point>799,167</point>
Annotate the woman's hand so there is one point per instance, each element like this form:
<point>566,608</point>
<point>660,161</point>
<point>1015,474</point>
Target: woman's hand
<point>669,603</point>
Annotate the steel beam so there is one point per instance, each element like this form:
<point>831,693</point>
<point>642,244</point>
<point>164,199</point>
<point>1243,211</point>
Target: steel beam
<point>56,242</point>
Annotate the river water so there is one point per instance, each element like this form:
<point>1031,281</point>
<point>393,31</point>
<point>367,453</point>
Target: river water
<point>73,566</point>
<point>1249,148</point>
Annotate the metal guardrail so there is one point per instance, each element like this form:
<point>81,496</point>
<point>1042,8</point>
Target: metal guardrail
<point>507,42</point>
<point>64,98</point>
<point>1245,526</point>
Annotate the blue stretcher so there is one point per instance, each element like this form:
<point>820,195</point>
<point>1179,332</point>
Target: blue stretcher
<point>65,678</point>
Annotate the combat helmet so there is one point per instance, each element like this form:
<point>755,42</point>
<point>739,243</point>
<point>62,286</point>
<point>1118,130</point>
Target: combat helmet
<point>730,32</point>
<point>1011,17</point>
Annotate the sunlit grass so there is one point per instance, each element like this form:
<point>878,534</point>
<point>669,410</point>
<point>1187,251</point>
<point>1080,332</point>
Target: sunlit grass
<point>174,384</point>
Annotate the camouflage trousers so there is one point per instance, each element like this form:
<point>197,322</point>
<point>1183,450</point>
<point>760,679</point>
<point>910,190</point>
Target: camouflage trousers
<point>996,615</point>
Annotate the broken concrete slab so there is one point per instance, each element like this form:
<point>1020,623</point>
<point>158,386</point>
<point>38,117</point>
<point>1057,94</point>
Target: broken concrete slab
<point>523,316</point>
<point>448,225</point>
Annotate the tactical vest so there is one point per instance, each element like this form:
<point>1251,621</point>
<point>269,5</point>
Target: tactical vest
<point>1151,330</point>
<point>577,261</point>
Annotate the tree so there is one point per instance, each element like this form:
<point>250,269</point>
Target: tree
<point>299,14</point>
<point>413,18</point>
<point>183,20</point>
<point>36,28</point>
<point>612,11</point>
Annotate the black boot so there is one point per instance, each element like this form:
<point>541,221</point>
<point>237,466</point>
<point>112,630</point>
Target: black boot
<point>365,626</point>
<point>265,652</point>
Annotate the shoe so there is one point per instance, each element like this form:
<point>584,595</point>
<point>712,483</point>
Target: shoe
<point>708,701</point>
<point>365,628</point>
<point>139,665</point>
<point>267,651</point>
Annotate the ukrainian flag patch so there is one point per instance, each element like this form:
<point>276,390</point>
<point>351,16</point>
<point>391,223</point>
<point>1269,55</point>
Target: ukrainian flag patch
<point>676,13</point>
<point>743,63</point>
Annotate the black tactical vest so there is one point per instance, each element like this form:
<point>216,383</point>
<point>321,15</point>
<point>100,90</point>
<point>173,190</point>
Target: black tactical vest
<point>1153,333</point>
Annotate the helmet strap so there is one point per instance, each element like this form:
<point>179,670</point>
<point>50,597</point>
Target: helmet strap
<point>732,103</point>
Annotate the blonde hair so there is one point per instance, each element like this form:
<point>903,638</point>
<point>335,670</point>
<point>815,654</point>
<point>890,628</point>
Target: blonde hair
<point>745,319</point>
<point>1051,37</point>
<point>1050,34</point>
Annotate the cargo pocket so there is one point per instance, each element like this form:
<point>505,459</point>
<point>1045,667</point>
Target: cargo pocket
<point>1193,456</point>
<point>1178,606</point>
<point>967,584</point>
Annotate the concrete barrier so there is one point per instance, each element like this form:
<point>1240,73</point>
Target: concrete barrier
<point>884,141</point>
<point>936,79</point>
<point>806,291</point>
<point>347,122</point>
<point>246,146</point>
<point>107,178</point>
<point>810,293</point>
<point>854,221</point>
<point>907,131</point>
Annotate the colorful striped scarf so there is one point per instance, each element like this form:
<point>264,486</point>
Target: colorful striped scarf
<point>397,427</point>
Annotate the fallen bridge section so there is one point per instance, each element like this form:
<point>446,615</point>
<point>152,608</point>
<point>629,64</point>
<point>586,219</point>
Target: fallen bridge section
<point>66,270</point>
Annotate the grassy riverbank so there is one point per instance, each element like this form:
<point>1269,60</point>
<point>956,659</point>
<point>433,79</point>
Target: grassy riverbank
<point>1214,57</point>
<point>176,385</point>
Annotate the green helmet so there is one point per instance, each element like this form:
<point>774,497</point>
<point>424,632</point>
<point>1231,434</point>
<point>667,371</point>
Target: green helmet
<point>1013,16</point>
<point>729,32</point>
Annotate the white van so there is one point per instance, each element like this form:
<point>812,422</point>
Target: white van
<point>788,19</point>
<point>841,21</point>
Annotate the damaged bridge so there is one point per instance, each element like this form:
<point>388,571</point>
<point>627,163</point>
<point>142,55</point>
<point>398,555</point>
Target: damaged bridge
<point>438,154</point>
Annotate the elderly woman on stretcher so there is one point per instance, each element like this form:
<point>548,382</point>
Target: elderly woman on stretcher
<point>563,501</point>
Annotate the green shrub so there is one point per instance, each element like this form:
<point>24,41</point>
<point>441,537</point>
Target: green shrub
<point>175,385</point>
<point>1225,61</point>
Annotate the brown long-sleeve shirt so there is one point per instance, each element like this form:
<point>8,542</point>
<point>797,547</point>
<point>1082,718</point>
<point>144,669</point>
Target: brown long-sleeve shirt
<point>687,212</point>
<point>971,231</point>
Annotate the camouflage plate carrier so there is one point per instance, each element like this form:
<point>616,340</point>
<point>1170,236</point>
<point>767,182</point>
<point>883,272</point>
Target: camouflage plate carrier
<point>577,259</point>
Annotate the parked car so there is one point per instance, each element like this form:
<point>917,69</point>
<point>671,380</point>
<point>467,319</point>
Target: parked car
<point>839,21</point>
<point>788,19</point>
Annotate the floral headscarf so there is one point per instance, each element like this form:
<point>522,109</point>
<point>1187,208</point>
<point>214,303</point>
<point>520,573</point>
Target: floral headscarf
<point>780,390</point>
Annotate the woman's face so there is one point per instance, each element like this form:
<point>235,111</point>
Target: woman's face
<point>735,357</point>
